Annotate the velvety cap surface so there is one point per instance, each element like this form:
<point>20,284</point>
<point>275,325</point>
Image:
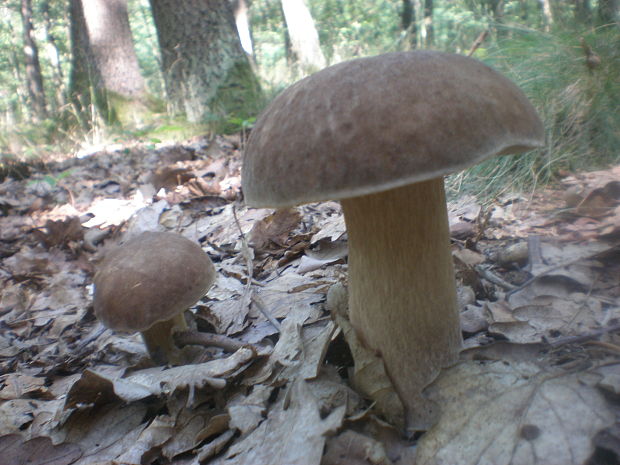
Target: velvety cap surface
<point>370,124</point>
<point>150,278</point>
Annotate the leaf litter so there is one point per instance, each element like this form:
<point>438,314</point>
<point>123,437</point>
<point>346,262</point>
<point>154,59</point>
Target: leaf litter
<point>538,277</point>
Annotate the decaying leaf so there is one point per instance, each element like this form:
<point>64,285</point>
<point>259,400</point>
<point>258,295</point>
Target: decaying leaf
<point>273,230</point>
<point>246,412</point>
<point>100,388</point>
<point>14,450</point>
<point>501,412</point>
<point>355,449</point>
<point>370,377</point>
<point>293,433</point>
<point>102,435</point>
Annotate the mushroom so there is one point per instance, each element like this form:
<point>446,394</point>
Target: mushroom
<point>147,283</point>
<point>379,134</point>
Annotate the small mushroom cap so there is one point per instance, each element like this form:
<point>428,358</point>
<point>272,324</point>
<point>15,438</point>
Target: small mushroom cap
<point>371,124</point>
<point>150,278</point>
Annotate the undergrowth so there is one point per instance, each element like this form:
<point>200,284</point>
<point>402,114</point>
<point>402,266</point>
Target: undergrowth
<point>578,106</point>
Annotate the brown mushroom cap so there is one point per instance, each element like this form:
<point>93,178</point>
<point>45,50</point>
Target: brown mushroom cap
<point>150,278</point>
<point>376,123</point>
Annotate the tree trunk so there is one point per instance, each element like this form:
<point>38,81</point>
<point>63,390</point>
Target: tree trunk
<point>427,30</point>
<point>240,10</point>
<point>207,73</point>
<point>303,35</point>
<point>104,59</point>
<point>547,11</point>
<point>583,13</point>
<point>497,8</point>
<point>54,57</point>
<point>408,24</point>
<point>34,78</point>
<point>608,11</point>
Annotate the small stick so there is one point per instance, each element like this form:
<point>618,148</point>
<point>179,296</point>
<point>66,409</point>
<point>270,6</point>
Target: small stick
<point>185,338</point>
<point>547,271</point>
<point>584,337</point>
<point>486,274</point>
<point>263,309</point>
<point>246,298</point>
<point>478,42</point>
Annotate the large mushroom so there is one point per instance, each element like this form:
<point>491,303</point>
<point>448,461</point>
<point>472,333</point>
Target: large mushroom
<point>147,283</point>
<point>379,134</point>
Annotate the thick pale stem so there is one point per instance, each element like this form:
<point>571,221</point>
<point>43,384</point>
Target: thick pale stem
<point>402,293</point>
<point>159,340</point>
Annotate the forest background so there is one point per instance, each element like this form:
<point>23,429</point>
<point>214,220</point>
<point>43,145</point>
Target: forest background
<point>77,74</point>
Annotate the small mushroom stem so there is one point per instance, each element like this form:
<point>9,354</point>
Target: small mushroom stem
<point>402,292</point>
<point>160,343</point>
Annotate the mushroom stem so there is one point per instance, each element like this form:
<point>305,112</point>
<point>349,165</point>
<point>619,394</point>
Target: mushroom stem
<point>160,343</point>
<point>402,292</point>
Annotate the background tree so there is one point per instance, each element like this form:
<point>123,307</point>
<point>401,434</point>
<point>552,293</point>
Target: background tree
<point>55,58</point>
<point>207,73</point>
<point>34,77</point>
<point>303,36</point>
<point>408,24</point>
<point>608,11</point>
<point>428,30</point>
<point>242,20</point>
<point>104,59</point>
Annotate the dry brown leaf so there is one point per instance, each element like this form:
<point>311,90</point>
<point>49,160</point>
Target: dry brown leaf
<point>273,231</point>
<point>16,414</point>
<point>103,435</point>
<point>355,449</point>
<point>14,450</point>
<point>18,386</point>
<point>101,388</point>
<point>292,434</point>
<point>369,377</point>
<point>516,413</point>
<point>246,412</point>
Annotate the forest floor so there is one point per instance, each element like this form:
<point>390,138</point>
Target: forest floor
<point>539,292</point>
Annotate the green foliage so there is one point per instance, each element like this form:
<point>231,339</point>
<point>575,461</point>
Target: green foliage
<point>579,107</point>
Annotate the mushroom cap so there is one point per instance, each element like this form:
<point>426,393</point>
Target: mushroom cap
<point>372,124</point>
<point>150,278</point>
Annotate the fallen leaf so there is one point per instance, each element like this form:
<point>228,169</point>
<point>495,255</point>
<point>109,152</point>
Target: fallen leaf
<point>293,433</point>
<point>516,413</point>
<point>355,449</point>
<point>37,451</point>
<point>273,230</point>
<point>369,377</point>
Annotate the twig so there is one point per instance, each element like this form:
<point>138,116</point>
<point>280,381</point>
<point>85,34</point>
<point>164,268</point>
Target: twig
<point>584,337</point>
<point>478,42</point>
<point>185,338</point>
<point>534,252</point>
<point>263,309</point>
<point>247,297</point>
<point>546,271</point>
<point>486,274</point>
<point>247,255</point>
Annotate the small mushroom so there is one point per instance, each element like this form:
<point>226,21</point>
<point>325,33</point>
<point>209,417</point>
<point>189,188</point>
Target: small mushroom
<point>379,134</point>
<point>147,283</point>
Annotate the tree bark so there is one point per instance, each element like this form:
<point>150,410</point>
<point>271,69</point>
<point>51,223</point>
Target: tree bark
<point>55,58</point>
<point>207,74</point>
<point>547,14</point>
<point>104,59</point>
<point>240,10</point>
<point>608,11</point>
<point>303,35</point>
<point>34,78</point>
<point>427,32</point>
<point>582,12</point>
<point>408,24</point>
